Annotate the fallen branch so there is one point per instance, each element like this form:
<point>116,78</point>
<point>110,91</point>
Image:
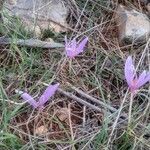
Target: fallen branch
<point>30,43</point>
<point>73,97</point>
<point>100,109</point>
<point>122,118</point>
<point>70,95</point>
<point>104,105</point>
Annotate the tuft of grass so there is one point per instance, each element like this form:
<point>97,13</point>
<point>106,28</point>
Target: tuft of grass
<point>125,142</point>
<point>8,139</point>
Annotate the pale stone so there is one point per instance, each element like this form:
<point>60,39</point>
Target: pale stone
<point>148,7</point>
<point>12,2</point>
<point>43,13</point>
<point>49,40</point>
<point>35,29</point>
<point>144,1</point>
<point>41,130</point>
<point>133,26</point>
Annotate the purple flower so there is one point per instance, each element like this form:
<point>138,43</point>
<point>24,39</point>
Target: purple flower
<point>49,92</point>
<point>73,48</point>
<point>133,81</point>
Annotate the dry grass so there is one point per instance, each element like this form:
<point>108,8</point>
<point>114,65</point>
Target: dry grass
<point>65,124</point>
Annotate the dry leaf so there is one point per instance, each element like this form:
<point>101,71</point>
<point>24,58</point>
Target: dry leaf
<point>63,114</point>
<point>41,130</point>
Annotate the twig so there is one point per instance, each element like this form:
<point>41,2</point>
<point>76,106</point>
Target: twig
<point>122,118</point>
<point>116,120</point>
<point>102,104</point>
<point>70,95</point>
<point>31,43</point>
<point>12,102</point>
<point>94,100</point>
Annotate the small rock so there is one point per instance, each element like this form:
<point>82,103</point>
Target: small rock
<point>144,1</point>
<point>35,29</point>
<point>12,2</point>
<point>148,7</point>
<point>49,40</point>
<point>133,26</point>
<point>63,114</point>
<point>41,130</point>
<point>42,13</point>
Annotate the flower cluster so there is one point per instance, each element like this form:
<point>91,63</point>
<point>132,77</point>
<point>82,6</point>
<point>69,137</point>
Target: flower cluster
<point>74,48</point>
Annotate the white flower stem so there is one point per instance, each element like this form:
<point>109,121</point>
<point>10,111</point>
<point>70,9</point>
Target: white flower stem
<point>130,110</point>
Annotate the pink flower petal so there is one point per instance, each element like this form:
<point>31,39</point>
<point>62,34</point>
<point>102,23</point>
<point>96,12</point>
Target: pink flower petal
<point>70,53</point>
<point>72,49</point>
<point>129,71</point>
<point>28,98</point>
<point>49,92</point>
<point>143,79</point>
<point>81,45</point>
<point>73,44</point>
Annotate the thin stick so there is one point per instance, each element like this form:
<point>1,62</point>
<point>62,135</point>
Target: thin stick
<point>31,43</point>
<point>12,102</point>
<point>116,121</point>
<point>94,100</point>
<point>84,115</point>
<point>70,123</point>
<point>70,95</point>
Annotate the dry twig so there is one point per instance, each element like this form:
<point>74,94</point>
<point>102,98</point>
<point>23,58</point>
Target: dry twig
<point>70,95</point>
<point>112,109</point>
<point>31,43</point>
<point>122,118</point>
